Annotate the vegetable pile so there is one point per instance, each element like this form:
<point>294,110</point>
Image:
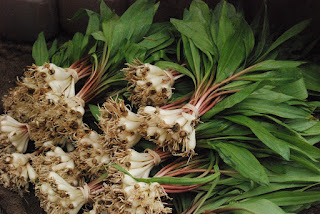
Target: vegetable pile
<point>132,115</point>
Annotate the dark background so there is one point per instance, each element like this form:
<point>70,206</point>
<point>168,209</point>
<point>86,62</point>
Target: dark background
<point>22,20</point>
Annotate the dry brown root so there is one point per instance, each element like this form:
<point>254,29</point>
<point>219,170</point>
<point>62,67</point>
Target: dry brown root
<point>150,85</point>
<point>119,124</point>
<point>58,117</point>
<point>16,171</point>
<point>90,156</point>
<point>125,195</point>
<point>57,196</point>
<point>21,101</point>
<point>50,116</point>
<point>58,161</point>
<point>172,130</point>
<point>14,136</point>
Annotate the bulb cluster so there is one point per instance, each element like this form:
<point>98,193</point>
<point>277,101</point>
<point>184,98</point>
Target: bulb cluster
<point>119,124</point>
<point>173,130</point>
<point>150,85</point>
<point>58,161</point>
<point>16,171</point>
<point>138,164</point>
<point>90,156</point>
<point>14,135</point>
<point>58,196</point>
<point>143,197</point>
<point>45,100</point>
<point>59,80</point>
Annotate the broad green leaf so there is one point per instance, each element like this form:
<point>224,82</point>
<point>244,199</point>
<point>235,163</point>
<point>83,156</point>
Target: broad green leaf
<point>274,108</point>
<point>99,36</point>
<point>95,111</point>
<point>155,40</point>
<point>314,130</point>
<point>241,160</point>
<point>200,11</point>
<point>253,206</point>
<point>285,36</point>
<point>292,172</point>
<point>287,198</point>
<point>305,162</point>
<point>270,95</point>
<point>231,56</point>
<point>77,46</point>
<point>105,12</point>
<point>196,32</point>
<point>275,65</point>
<point>40,52</point>
<point>107,28</point>
<point>222,26</point>
<point>296,89</point>
<point>135,51</point>
<point>277,145</point>
<point>263,34</point>
<point>260,190</point>
<point>273,78</point>
<point>53,48</point>
<point>299,142</point>
<point>212,127</point>
<point>232,100</point>
<point>93,24</point>
<point>301,125</point>
<point>311,75</point>
<point>177,67</point>
<point>133,24</point>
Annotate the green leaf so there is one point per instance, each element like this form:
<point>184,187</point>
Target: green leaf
<point>314,130</point>
<point>287,198</point>
<point>77,46</point>
<point>197,33</point>
<point>93,24</point>
<point>293,31</point>
<point>270,107</point>
<point>253,206</point>
<point>263,35</point>
<point>133,24</point>
<point>53,48</point>
<point>301,125</point>
<point>270,95</point>
<point>40,52</point>
<point>222,26</point>
<point>155,40</point>
<point>95,111</point>
<point>177,67</point>
<point>295,89</point>
<point>261,190</point>
<point>311,75</point>
<point>241,160</point>
<point>277,145</point>
<point>231,56</point>
<point>232,100</point>
<point>105,12</point>
<point>135,51</point>
<point>107,28</point>
<point>275,65</point>
<point>99,36</point>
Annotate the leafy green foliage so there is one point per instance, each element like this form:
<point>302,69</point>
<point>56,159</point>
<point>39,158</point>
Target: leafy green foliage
<point>40,52</point>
